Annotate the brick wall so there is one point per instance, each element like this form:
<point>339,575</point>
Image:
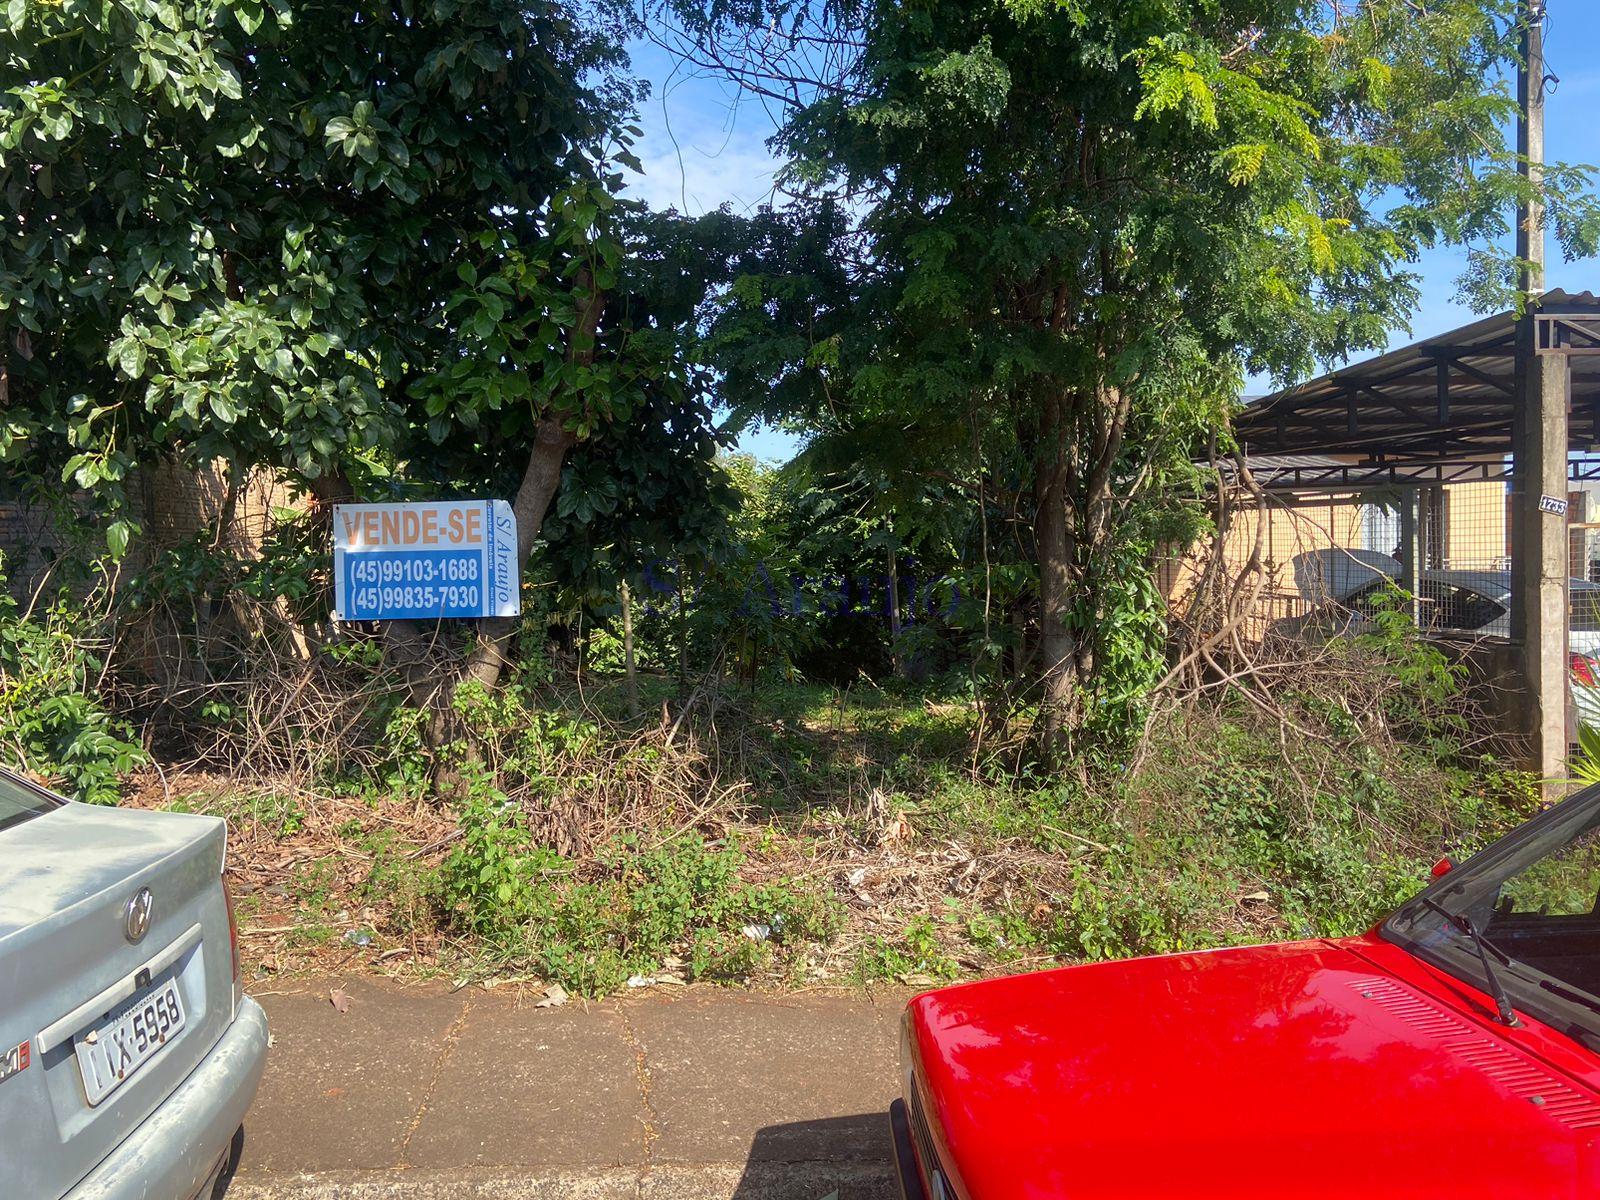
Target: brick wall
<point>179,503</point>
<point>31,539</point>
<point>173,503</point>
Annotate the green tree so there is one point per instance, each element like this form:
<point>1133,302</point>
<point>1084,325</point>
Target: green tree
<point>1081,223</point>
<point>364,247</point>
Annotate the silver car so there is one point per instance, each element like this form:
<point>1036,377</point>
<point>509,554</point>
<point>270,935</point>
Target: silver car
<point>128,1051</point>
<point>1458,602</point>
<point>1461,602</point>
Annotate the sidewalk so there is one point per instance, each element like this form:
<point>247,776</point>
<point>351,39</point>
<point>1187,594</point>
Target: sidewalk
<point>696,1093</point>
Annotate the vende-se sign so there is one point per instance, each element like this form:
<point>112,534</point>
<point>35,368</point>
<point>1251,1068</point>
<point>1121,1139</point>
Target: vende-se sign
<point>429,561</point>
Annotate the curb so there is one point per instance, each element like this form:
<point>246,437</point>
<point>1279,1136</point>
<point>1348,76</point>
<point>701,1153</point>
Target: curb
<point>714,1181</point>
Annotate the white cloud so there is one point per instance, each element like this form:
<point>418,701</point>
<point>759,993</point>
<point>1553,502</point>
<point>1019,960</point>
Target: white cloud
<point>703,146</point>
<point>694,178</point>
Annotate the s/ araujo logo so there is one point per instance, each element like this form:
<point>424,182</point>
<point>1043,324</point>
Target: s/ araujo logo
<point>426,561</point>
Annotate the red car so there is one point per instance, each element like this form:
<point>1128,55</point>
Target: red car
<point>1453,1051</point>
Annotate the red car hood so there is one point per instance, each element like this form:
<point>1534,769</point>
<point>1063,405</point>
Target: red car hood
<point>1304,1070</point>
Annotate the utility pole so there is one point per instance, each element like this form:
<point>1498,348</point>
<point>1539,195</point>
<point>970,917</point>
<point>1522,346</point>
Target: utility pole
<point>1539,467</point>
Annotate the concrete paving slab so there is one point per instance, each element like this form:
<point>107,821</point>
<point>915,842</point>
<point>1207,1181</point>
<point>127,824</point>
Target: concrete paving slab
<point>757,1181</point>
<point>742,1077</point>
<point>418,1093</point>
<point>456,1184</point>
<point>342,1090</point>
<point>552,1087</point>
<point>771,1181</point>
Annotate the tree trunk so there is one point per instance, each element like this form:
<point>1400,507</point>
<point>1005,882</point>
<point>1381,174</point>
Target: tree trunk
<point>1019,645</point>
<point>683,630</point>
<point>430,681</point>
<point>894,615</point>
<point>551,441</point>
<point>627,651</point>
<point>1057,645</point>
<point>491,653</point>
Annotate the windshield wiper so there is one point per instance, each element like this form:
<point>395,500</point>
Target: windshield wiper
<point>1483,945</point>
<point>1570,994</point>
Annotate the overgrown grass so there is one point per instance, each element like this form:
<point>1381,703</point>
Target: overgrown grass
<point>790,832</point>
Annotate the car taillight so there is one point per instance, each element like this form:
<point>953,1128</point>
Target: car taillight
<point>1583,669</point>
<point>233,941</point>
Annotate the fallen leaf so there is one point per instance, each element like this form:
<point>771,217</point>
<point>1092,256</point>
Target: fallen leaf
<point>1255,897</point>
<point>897,830</point>
<point>340,999</point>
<point>554,995</point>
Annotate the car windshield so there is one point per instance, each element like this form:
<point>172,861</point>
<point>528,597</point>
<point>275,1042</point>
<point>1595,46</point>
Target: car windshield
<point>1535,897</point>
<point>19,801</point>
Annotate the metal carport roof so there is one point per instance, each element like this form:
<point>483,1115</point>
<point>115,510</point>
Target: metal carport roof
<point>1436,411</point>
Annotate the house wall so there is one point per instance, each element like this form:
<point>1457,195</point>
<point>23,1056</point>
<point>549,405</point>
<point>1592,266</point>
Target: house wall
<point>1475,527</point>
<point>1473,534</point>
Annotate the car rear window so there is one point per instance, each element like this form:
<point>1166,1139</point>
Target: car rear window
<point>19,800</point>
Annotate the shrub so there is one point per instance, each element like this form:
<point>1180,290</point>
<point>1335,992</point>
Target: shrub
<point>52,720</point>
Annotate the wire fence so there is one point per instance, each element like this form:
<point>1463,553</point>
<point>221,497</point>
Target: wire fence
<point>1324,564</point>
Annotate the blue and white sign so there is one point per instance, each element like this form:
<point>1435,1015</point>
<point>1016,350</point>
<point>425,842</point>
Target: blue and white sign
<point>425,562</point>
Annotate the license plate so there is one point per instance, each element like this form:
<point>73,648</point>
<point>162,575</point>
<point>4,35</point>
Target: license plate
<point>128,1038</point>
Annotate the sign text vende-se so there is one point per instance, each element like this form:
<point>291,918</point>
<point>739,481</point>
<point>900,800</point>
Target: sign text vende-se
<point>425,561</point>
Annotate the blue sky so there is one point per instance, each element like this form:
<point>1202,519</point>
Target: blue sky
<point>704,146</point>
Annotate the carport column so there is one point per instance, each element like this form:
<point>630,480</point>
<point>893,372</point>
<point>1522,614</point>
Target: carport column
<point>1410,546</point>
<point>1539,555</point>
<point>1539,467</point>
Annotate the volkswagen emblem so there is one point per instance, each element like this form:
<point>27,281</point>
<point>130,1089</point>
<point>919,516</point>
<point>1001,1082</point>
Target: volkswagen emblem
<point>136,920</point>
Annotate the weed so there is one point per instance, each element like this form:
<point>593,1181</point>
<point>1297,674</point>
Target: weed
<point>553,861</point>
<point>52,721</point>
<point>313,884</point>
<point>633,909</point>
<point>916,954</point>
<point>404,887</point>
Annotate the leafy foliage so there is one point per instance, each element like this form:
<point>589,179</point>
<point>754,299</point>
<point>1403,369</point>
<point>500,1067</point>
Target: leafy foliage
<point>53,721</point>
<point>1077,226</point>
<point>632,910</point>
<point>277,235</point>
